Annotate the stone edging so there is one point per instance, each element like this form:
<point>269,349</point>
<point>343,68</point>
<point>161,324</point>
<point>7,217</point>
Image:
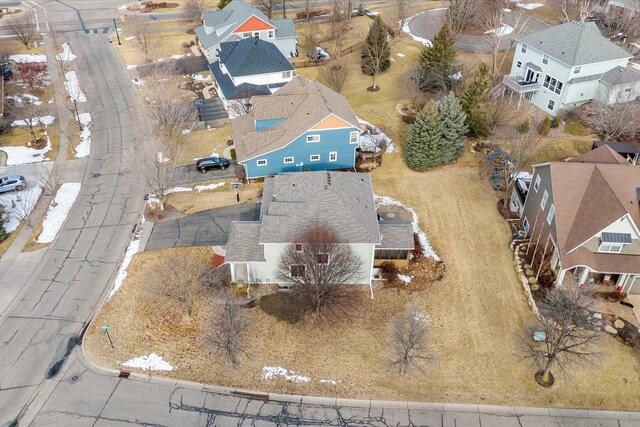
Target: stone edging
<point>523,279</point>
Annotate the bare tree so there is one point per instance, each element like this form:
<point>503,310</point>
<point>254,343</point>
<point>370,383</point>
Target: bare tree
<point>5,53</point>
<point>566,338</point>
<point>284,8</point>
<point>414,84</point>
<point>401,11</point>
<point>498,111</point>
<point>460,14</point>
<point>229,330</point>
<point>620,20</point>
<point>31,115</point>
<point>49,179</point>
<point>614,121</point>
<point>23,26</point>
<point>340,9</point>
<point>335,73</point>
<point>33,73</point>
<point>586,7</point>
<point>320,270</point>
<point>565,6</point>
<point>193,10</point>
<point>178,280</point>
<point>140,28</point>
<point>306,8</point>
<point>408,346</point>
<point>267,6</point>
<point>495,32</point>
<point>241,102</point>
<point>21,208</point>
<point>216,278</point>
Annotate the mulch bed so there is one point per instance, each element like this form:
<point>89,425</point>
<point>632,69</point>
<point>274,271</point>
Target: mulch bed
<point>168,214</point>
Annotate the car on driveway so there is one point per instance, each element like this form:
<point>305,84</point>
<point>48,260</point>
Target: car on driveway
<point>12,182</point>
<point>207,163</point>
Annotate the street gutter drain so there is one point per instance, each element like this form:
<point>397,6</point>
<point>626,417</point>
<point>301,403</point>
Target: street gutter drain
<point>75,378</point>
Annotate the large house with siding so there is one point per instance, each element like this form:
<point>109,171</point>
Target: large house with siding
<point>585,214</point>
<point>292,202</point>
<point>239,20</point>
<point>563,67</point>
<point>305,126</point>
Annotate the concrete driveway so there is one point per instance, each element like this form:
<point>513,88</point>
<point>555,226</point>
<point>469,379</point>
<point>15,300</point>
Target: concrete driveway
<point>207,228</point>
<point>190,174</point>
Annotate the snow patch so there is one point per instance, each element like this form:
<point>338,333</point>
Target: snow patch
<point>65,197</point>
<point>271,372</point>
<point>423,318</point>
<point>528,6</point>
<point>44,120</point>
<point>634,65</point>
<point>427,250</point>
<point>201,188</point>
<point>129,38</point>
<point>67,54</point>
<point>186,131</point>
<point>84,147</point>
<point>502,31</point>
<point>178,190</point>
<point>201,78</point>
<point>132,249</point>
<point>21,155</point>
<point>25,200</point>
<point>404,278</point>
<point>212,154</point>
<point>72,84</point>
<point>138,82</point>
<point>401,55</point>
<point>370,142</point>
<point>28,57</point>
<point>152,362</point>
<point>21,98</point>
<point>131,66</point>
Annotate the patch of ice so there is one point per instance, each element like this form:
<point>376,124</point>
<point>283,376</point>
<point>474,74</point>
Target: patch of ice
<point>132,249</point>
<point>65,197</point>
<point>634,65</point>
<point>67,54</point>
<point>72,84</point>
<point>138,82</point>
<point>25,97</point>
<point>44,120</point>
<point>20,155</point>
<point>502,31</point>
<point>427,250</point>
<point>131,66</point>
<point>84,147</point>
<point>28,57</point>
<point>24,202</point>
<point>178,190</point>
<point>528,6</point>
<point>271,372</point>
<point>129,38</point>
<point>152,362</point>
<point>370,142</point>
<point>506,10</point>
<point>186,131</point>
<point>401,55</point>
<point>404,278</point>
<point>162,158</point>
<point>201,188</point>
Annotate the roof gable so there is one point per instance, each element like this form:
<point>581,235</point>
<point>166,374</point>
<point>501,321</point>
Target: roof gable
<point>253,23</point>
<point>602,155</point>
<point>331,122</point>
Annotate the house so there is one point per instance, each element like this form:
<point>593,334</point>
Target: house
<point>292,202</point>
<point>239,20</point>
<point>583,215</point>
<point>246,68</point>
<point>627,150</point>
<point>560,68</point>
<point>305,126</point>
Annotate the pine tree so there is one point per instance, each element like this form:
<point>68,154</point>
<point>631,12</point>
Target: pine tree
<point>376,52</point>
<point>223,3</point>
<point>472,99</point>
<point>454,130</point>
<point>440,60</point>
<point>424,148</point>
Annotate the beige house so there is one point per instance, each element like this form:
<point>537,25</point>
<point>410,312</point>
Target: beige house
<point>585,214</point>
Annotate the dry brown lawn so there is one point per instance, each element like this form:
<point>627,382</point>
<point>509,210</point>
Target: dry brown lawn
<point>14,47</point>
<point>31,244</point>
<point>203,143</point>
<point>169,43</point>
<point>550,14</point>
<point>191,202</point>
<point>4,245</point>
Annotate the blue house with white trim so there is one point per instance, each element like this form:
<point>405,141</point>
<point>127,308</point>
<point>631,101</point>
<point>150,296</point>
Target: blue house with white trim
<point>305,126</point>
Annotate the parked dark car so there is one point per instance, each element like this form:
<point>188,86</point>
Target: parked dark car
<point>12,182</point>
<point>206,163</point>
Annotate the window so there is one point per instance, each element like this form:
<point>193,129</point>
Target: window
<point>288,159</point>
<point>297,271</point>
<point>246,35</point>
<point>270,34</point>
<point>551,104</point>
<point>545,59</point>
<point>536,184</point>
<point>353,137</point>
<point>552,212</point>
<point>298,247</point>
<point>627,90</point>
<point>262,162</point>
<point>525,224</point>
<point>577,70</point>
<point>256,34</point>
<point>322,258</point>
<point>523,48</point>
<point>333,156</point>
<point>286,74</point>
<point>545,196</point>
<point>552,84</point>
<point>314,157</point>
<point>615,248</point>
<point>519,64</point>
<point>313,138</point>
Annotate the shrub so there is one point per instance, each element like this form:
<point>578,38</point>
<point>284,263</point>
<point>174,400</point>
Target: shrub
<point>545,126</point>
<point>555,122</point>
<point>524,126</point>
<point>388,271</point>
<point>185,45</point>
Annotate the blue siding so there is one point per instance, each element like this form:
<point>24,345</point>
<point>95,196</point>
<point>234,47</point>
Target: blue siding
<point>330,140</point>
<point>266,124</point>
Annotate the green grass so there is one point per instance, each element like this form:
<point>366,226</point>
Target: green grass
<point>575,128</point>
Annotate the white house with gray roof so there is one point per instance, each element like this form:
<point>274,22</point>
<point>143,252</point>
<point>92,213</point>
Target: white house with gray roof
<point>292,202</point>
<point>563,67</point>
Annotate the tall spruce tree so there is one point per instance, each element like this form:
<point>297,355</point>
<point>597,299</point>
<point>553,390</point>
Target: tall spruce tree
<point>472,100</point>
<point>454,130</point>
<point>440,60</point>
<point>424,148</point>
<point>223,3</point>
<point>376,52</point>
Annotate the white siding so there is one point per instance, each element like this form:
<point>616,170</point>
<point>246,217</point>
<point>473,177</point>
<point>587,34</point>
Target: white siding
<point>261,79</point>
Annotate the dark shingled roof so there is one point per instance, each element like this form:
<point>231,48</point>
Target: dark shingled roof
<point>244,90</point>
<point>252,56</point>
<point>396,235</point>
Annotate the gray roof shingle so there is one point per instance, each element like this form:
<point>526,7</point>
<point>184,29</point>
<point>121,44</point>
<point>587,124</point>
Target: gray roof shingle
<point>620,76</point>
<point>226,86</point>
<point>396,235</point>
<point>252,56</point>
<point>243,243</point>
<point>575,43</point>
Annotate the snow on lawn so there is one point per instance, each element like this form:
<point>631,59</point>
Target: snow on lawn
<point>131,66</point>
<point>44,120</point>
<point>529,6</point>
<point>198,188</point>
<point>65,197</point>
<point>427,250</point>
<point>66,54</point>
<point>25,97</point>
<point>201,78</point>
<point>152,362</point>
<point>28,199</point>
<point>407,30</point>
<point>405,279</point>
<point>28,57</point>
<point>271,372</point>
<point>186,131</point>
<point>502,31</point>
<point>401,55</point>
<point>370,142</point>
<point>20,155</point>
<point>72,84</point>
<point>129,38</point>
<point>178,190</point>
<point>84,147</point>
<point>132,249</point>
<point>212,154</point>
<point>138,82</point>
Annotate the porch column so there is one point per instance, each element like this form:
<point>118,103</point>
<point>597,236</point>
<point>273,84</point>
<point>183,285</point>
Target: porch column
<point>560,277</point>
<point>621,281</point>
<point>233,272</point>
<point>584,275</point>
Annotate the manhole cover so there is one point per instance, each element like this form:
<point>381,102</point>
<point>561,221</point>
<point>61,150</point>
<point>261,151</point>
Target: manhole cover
<point>75,378</point>
<point>391,215</point>
<point>97,175</point>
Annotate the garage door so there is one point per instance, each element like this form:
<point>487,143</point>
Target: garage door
<point>635,286</point>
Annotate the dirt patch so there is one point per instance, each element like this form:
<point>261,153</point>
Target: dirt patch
<point>168,214</point>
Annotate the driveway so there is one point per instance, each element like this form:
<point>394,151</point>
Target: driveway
<point>190,174</point>
<point>207,228</point>
<point>427,24</point>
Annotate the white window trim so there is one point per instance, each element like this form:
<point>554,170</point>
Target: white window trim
<point>611,245</point>
<point>256,34</point>
<point>333,153</point>
<point>286,74</point>
<point>311,158</point>
<point>261,162</point>
<point>518,64</point>
<point>351,135</point>
<point>523,49</point>
<point>545,196</point>
<point>271,34</point>
<point>288,160</point>
<point>536,184</point>
<point>310,138</point>
<point>552,212</point>
<point>577,69</point>
<point>545,58</point>
<point>246,34</point>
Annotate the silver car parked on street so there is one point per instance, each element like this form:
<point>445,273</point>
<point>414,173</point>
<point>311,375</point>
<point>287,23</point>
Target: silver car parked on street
<point>12,182</point>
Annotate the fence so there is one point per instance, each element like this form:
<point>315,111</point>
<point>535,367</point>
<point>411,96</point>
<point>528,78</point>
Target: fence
<point>345,51</point>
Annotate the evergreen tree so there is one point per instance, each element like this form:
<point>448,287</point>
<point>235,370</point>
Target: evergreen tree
<point>424,148</point>
<point>376,52</point>
<point>440,60</point>
<point>454,130</point>
<point>472,100</point>
<point>223,3</point>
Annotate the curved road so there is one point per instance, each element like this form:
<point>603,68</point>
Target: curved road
<point>46,380</point>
